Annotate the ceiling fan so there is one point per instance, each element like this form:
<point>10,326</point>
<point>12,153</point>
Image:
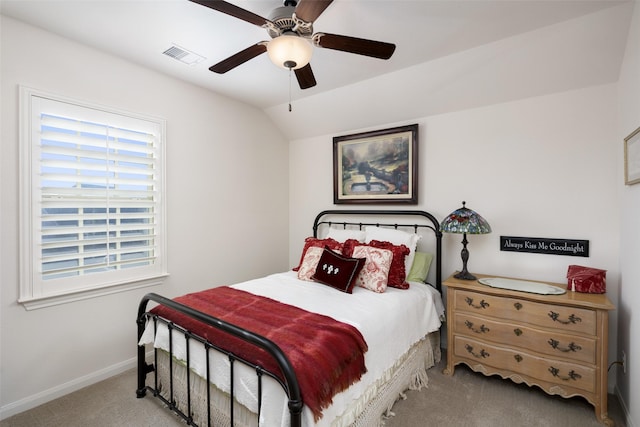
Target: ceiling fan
<point>292,38</point>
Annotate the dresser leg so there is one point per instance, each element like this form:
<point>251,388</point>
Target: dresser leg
<point>604,419</point>
<point>448,370</point>
<point>602,414</point>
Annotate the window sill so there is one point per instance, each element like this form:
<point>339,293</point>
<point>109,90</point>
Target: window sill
<point>51,300</point>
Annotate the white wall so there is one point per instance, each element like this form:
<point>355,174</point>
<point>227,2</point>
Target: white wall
<point>539,167</point>
<point>227,210</point>
<point>629,120</point>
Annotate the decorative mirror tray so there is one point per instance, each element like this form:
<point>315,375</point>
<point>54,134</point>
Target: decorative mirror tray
<point>522,285</point>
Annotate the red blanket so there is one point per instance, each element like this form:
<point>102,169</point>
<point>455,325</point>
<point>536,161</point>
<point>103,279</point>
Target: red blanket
<point>327,355</point>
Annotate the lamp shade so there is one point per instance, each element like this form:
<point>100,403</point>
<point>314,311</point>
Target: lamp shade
<point>465,220</point>
<point>289,51</point>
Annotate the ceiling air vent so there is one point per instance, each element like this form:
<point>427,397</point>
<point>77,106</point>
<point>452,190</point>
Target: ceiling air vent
<point>183,55</point>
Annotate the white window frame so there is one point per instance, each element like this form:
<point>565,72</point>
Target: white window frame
<point>35,290</point>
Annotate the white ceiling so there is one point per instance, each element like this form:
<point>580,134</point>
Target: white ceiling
<point>423,30</point>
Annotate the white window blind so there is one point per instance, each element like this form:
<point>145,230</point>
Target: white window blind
<point>95,199</point>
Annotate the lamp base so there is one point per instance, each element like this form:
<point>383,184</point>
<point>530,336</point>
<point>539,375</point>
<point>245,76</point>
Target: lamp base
<point>464,254</point>
<point>465,275</point>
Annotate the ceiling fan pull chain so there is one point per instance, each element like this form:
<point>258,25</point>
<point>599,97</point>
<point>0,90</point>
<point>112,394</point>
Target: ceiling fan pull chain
<point>289,89</point>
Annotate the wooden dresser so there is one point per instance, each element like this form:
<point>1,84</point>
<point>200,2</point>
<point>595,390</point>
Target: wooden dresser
<point>555,342</point>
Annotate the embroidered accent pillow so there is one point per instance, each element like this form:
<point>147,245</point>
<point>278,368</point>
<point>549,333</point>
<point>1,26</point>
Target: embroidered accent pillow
<point>338,271</point>
<point>375,273</point>
<point>310,242</point>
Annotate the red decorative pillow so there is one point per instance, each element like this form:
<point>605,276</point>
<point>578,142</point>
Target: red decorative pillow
<point>315,242</point>
<point>349,244</point>
<point>397,274</point>
<point>338,271</point>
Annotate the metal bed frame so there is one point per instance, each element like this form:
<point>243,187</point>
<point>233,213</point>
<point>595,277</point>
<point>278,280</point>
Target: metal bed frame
<point>434,226</point>
<point>289,382</point>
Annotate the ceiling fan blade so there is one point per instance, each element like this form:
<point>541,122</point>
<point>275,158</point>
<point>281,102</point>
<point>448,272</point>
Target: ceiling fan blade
<point>239,58</point>
<point>233,10</point>
<point>309,10</point>
<point>305,77</point>
<point>356,45</point>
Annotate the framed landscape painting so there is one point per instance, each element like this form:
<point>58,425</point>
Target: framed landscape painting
<point>376,167</point>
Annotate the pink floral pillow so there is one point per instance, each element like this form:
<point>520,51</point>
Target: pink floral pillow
<point>310,263</point>
<point>375,273</point>
<point>397,274</point>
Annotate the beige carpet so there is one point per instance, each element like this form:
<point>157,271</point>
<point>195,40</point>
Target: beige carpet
<point>466,399</point>
<point>471,399</point>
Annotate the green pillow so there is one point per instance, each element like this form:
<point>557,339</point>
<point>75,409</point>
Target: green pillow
<point>420,267</point>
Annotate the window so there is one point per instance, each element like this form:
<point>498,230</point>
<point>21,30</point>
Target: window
<point>92,200</point>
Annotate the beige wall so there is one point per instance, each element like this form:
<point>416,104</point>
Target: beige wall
<point>226,207</point>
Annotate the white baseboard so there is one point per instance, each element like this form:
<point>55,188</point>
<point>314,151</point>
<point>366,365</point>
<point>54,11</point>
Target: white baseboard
<point>625,409</point>
<point>63,389</point>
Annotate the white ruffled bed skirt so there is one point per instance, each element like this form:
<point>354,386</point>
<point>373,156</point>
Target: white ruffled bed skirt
<point>370,409</point>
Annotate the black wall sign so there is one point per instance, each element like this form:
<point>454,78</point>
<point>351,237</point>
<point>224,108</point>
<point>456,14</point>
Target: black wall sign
<point>545,246</point>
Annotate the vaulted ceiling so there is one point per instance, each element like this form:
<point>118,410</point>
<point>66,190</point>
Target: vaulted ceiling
<point>578,42</point>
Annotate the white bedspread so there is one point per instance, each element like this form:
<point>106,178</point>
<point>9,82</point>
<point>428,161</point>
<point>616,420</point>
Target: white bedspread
<point>390,323</point>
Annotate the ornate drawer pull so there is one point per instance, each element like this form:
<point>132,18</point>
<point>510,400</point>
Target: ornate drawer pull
<point>517,305</point>
<point>572,318</point>
<point>571,347</point>
<point>518,358</point>
<point>483,303</point>
<point>483,329</point>
<point>517,331</point>
<point>573,375</point>
<point>483,354</point>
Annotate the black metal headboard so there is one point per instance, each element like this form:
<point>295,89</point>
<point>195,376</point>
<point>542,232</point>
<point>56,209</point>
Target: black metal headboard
<point>415,219</point>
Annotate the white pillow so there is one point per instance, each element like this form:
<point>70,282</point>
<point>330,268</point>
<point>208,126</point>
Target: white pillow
<point>397,237</point>
<point>342,235</point>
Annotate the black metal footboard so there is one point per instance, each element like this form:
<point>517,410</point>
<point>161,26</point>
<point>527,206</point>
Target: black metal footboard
<point>289,385</point>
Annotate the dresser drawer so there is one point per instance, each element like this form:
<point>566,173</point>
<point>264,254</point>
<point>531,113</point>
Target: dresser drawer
<point>545,369</point>
<point>551,342</point>
<point>562,318</point>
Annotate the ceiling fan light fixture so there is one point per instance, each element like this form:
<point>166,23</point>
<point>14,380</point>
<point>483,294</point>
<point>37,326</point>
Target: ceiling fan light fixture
<point>290,51</point>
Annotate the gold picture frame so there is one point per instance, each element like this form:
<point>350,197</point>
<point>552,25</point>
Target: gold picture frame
<point>632,158</point>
